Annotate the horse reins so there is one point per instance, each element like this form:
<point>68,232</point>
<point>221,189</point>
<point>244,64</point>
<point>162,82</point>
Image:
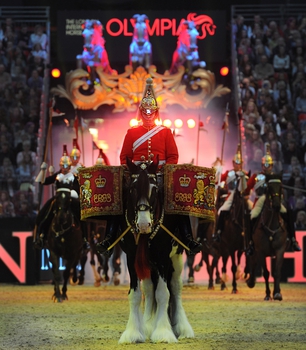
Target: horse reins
<point>61,232</point>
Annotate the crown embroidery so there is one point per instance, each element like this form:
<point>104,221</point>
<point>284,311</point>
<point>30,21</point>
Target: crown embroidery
<point>100,181</point>
<point>184,181</point>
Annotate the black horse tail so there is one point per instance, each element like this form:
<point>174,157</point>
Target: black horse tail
<point>142,265</point>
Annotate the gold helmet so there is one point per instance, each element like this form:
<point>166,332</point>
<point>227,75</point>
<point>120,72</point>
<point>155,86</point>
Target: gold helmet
<point>148,104</point>
<point>267,160</point>
<point>75,150</point>
<point>238,158</point>
<point>100,160</point>
<point>65,160</point>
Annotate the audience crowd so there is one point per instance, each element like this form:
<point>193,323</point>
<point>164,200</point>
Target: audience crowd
<point>23,55</point>
<point>272,75</point>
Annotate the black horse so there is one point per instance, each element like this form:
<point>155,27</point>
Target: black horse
<point>99,262</point>
<point>64,241</point>
<point>205,233</point>
<point>154,259</point>
<point>269,237</point>
<point>233,238</point>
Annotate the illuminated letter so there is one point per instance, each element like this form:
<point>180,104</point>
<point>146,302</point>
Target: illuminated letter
<point>166,24</point>
<point>154,28</point>
<point>298,260</point>
<point>18,271</point>
<point>125,30</point>
<point>174,30</point>
<point>108,27</point>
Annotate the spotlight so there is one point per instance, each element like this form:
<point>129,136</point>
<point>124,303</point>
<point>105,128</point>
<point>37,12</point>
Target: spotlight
<point>224,71</point>
<point>56,73</point>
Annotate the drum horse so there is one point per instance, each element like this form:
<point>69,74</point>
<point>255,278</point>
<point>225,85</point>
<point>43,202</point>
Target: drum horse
<point>154,259</point>
<point>65,240</point>
<point>269,237</point>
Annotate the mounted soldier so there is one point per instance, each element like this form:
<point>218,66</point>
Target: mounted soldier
<point>63,178</point>
<point>235,179</point>
<point>148,141</point>
<point>257,182</point>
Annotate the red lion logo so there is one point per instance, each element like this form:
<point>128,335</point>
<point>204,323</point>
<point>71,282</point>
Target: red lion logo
<point>204,22</point>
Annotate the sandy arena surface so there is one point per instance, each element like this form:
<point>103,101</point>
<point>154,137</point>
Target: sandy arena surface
<point>94,318</point>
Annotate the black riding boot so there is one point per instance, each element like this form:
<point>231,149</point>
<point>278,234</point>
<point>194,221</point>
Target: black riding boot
<point>38,238</point>
<point>288,218</point>
<point>186,234</point>
<point>219,226</point>
<point>84,228</point>
<point>250,248</point>
<point>112,228</point>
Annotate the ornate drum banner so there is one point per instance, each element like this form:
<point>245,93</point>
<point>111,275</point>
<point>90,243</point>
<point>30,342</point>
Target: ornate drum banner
<point>100,190</point>
<point>190,190</point>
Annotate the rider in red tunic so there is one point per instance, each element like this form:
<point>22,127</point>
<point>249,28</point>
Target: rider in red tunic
<point>146,142</point>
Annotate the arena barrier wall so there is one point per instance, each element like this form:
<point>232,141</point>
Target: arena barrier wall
<point>21,263</point>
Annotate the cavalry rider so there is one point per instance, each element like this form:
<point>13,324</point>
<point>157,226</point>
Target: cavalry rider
<point>102,158</point>
<point>257,182</point>
<point>63,178</point>
<point>75,156</point>
<point>235,178</point>
<point>144,142</point>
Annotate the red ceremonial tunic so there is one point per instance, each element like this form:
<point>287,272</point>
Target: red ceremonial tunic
<point>161,144</point>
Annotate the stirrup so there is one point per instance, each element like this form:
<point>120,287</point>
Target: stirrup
<point>249,250</point>
<point>296,247</point>
<point>102,248</point>
<point>194,247</point>
<point>38,243</point>
<point>217,236</point>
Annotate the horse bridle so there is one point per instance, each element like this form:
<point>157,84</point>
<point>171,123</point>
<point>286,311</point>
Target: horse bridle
<point>63,230</point>
<point>141,207</point>
<point>270,197</point>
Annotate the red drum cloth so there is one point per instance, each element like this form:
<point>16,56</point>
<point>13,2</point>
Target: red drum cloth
<point>190,190</point>
<point>100,190</point>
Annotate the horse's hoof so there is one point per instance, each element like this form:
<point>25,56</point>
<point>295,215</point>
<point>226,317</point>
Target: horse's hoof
<point>277,296</point>
<point>234,291</point>
<point>223,286</point>
<point>250,284</point>
<point>97,284</point>
<point>81,282</point>
<point>211,288</point>
<point>105,278</point>
<point>116,279</point>
<point>267,298</point>
<point>190,280</point>
<point>197,268</point>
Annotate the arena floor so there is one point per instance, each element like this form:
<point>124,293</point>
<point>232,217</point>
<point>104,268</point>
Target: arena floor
<point>94,317</point>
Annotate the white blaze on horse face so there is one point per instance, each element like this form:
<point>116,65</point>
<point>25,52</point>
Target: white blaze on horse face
<point>144,221</point>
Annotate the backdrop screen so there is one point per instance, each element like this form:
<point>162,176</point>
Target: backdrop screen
<point>163,34</point>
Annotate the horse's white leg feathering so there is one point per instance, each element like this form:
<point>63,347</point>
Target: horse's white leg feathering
<point>134,332</point>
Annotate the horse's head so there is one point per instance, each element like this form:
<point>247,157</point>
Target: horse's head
<point>274,190</point>
<point>62,206</point>
<point>142,198</point>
